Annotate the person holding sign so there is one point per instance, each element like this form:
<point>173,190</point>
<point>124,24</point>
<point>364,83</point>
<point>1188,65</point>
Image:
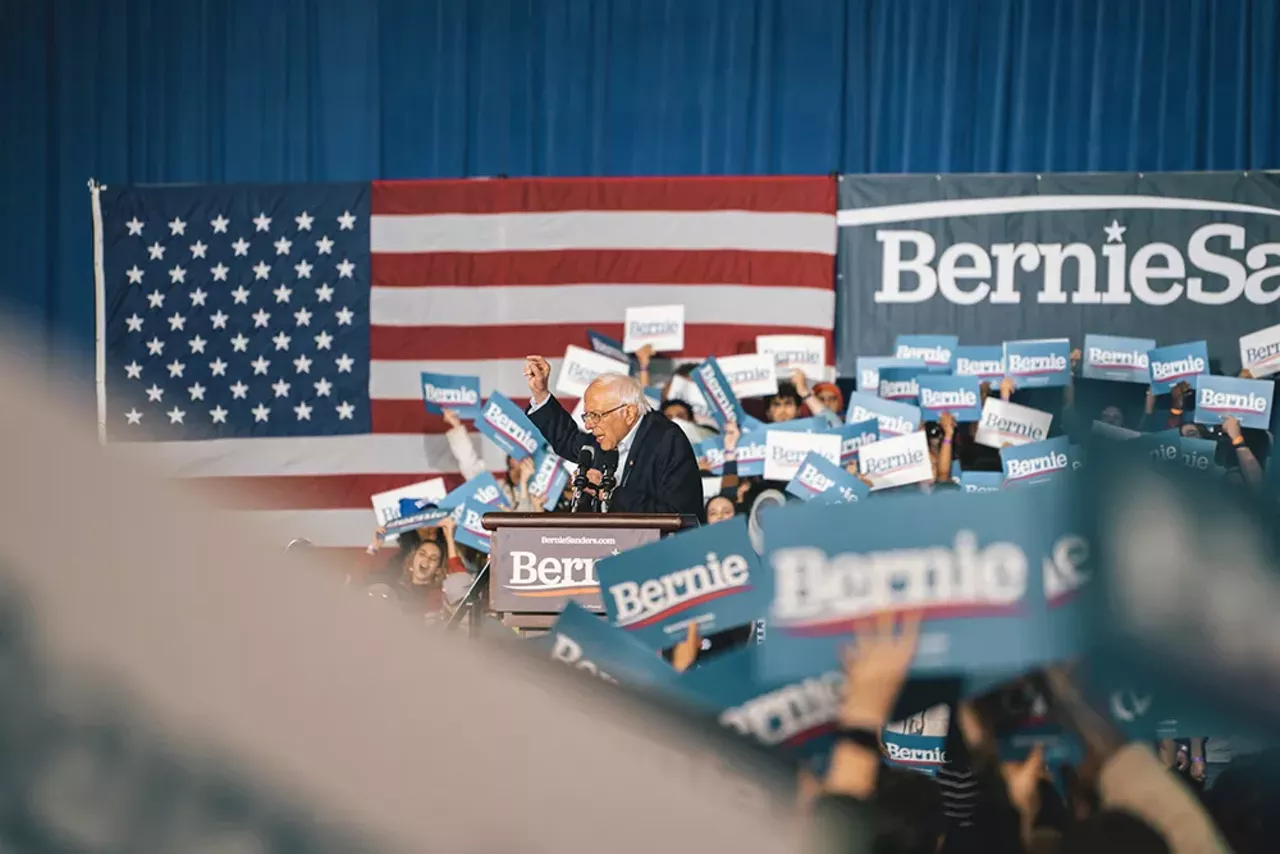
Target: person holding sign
<point>655,470</point>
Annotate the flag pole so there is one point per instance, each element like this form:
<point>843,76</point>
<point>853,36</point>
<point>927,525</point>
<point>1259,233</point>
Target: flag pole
<point>99,310</point>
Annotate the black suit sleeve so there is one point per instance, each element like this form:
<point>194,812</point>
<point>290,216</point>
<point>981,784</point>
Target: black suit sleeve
<point>560,430</point>
<point>679,481</point>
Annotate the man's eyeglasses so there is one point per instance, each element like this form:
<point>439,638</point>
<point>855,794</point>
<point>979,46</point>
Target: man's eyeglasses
<point>589,418</point>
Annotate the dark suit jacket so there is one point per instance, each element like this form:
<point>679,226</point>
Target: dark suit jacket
<point>661,472</point>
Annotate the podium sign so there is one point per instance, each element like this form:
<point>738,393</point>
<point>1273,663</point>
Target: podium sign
<point>538,570</point>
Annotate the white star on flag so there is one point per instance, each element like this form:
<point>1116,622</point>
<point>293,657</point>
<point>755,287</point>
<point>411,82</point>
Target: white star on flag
<point>261,319</point>
<point>283,293</point>
<point>240,247</point>
<point>156,251</point>
<point>134,322</point>
<point>303,269</point>
<point>176,415</point>
<point>347,222</point>
<point>262,270</point>
<point>220,272</point>
<point>198,296</point>
<point>262,222</point>
<point>155,393</point>
<point>324,293</point>
<point>197,344</point>
<point>240,344</point>
<point>155,298</point>
<point>302,365</point>
<point>304,221</point>
<point>133,370</point>
<point>344,316</point>
<point>198,249</point>
<point>133,416</point>
<point>175,369</point>
<point>345,411</point>
<point>218,414</point>
<point>135,227</point>
<point>323,341</point>
<point>281,388</point>
<point>240,295</point>
<point>218,368</point>
<point>239,391</point>
<point>1115,232</point>
<point>176,322</point>
<point>219,319</point>
<point>219,224</point>
<point>155,347</point>
<point>260,413</point>
<point>345,363</point>
<point>324,246</point>
<point>302,317</point>
<point>260,366</point>
<point>283,245</point>
<point>177,227</point>
<point>323,387</point>
<point>303,412</point>
<point>177,274</point>
<point>196,391</point>
<point>281,341</point>
<point>135,275</point>
<point>345,269</point>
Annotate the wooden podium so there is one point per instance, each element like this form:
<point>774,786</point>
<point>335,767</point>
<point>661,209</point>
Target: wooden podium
<point>540,561</point>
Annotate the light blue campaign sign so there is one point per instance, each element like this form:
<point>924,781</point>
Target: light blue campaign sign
<point>1115,358</point>
<point>470,532</point>
<point>1248,401</point>
<point>451,391</point>
<point>936,351</point>
<point>753,447</point>
<point>709,576</point>
<point>415,513</point>
<point>986,363</point>
<point>582,640</point>
<point>796,717</point>
<point>1177,363</point>
<point>899,384</point>
<point>550,474</point>
<point>1038,364</point>
<point>923,753</point>
<point>994,576</point>
<point>815,424</point>
<point>509,428</point>
<point>482,489</point>
<point>1198,454</point>
<point>981,481</point>
<point>721,401</point>
<point>961,396</point>
<point>818,479</point>
<point>606,346</point>
<point>710,452</point>
<point>855,436</point>
<point>892,419</point>
<point>1036,462</point>
<point>868,368</point>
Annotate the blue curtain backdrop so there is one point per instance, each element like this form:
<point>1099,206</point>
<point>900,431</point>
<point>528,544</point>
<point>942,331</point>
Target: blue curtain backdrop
<point>133,91</point>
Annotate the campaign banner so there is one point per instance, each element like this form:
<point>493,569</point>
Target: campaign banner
<point>814,424</point>
<point>1198,454</point>
<point>608,347</point>
<point>1164,446</point>
<point>923,753</point>
<point>981,481</point>
<point>451,391</point>
<point>939,393</point>
<point>753,450</point>
<point>819,479</point>
<point>1055,255</point>
<point>470,531</point>
<point>580,366</point>
<point>414,514</point>
<point>899,384</point>
<point>750,374</point>
<point>786,449</point>
<point>1177,363</point>
<point>482,489</point>
<point>1038,364</point>
<point>582,640</point>
<point>993,575</point>
<point>658,326</point>
<point>985,363</point>
<point>710,454</point>
<point>898,461</point>
<point>683,388</point>
<point>722,402</point>
<point>892,419</point>
<point>1005,423</point>
<point>1260,352</point>
<point>710,576</point>
<point>1116,358</point>
<point>509,427</point>
<point>795,716</point>
<point>936,351</point>
<point>855,436</point>
<point>1036,462</point>
<point>1248,401</point>
<point>868,370</point>
<point>807,353</point>
<point>550,476</point>
<point>387,506</point>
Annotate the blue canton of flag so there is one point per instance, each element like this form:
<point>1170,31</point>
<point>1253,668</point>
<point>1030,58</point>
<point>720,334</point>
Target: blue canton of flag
<point>236,312</point>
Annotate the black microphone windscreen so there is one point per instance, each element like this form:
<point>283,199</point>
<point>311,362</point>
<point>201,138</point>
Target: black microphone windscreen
<point>585,456</point>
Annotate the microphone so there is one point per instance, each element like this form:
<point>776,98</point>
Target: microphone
<point>608,462</point>
<point>585,458</point>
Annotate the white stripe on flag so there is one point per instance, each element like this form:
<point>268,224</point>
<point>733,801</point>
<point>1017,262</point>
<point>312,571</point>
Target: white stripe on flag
<point>402,379</point>
<point>733,305</point>
<point>512,232</point>
<point>312,455</point>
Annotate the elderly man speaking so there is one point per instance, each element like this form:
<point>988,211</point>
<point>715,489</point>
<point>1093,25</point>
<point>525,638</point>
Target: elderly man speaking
<point>656,469</point>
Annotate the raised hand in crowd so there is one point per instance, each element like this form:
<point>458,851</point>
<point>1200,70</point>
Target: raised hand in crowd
<point>731,435</point>
<point>1007,387</point>
<point>685,653</point>
<point>1250,468</point>
<point>537,372</point>
<point>643,357</point>
<point>942,463</point>
<point>451,418</point>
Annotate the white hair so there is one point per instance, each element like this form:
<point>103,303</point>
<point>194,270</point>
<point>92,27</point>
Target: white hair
<point>628,390</point>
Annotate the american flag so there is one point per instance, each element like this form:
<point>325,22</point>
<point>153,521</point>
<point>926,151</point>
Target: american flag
<point>269,339</point>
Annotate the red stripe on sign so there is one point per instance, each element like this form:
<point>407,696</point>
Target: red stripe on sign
<point>473,196</point>
<point>410,416</point>
<point>308,492</point>
<point>518,341</point>
<point>588,267</point>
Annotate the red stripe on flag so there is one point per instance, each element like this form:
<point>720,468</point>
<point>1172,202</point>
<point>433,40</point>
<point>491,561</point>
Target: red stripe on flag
<point>308,492</point>
<point>587,267</point>
<point>762,193</point>
<point>410,416</point>
<point>518,341</point>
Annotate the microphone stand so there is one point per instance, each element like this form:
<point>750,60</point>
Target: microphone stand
<point>606,489</point>
<point>579,485</point>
